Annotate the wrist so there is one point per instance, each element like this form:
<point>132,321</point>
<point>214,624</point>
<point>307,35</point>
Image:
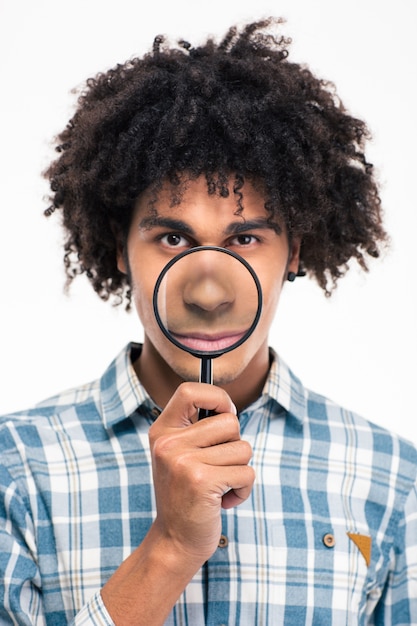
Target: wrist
<point>148,583</point>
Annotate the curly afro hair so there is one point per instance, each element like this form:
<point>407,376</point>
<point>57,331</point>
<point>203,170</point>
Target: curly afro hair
<point>237,108</point>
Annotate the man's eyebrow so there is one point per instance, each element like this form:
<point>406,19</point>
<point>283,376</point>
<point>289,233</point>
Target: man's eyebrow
<point>256,224</point>
<point>158,221</point>
<point>234,228</point>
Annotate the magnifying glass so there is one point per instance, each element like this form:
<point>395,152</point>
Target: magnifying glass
<point>207,301</point>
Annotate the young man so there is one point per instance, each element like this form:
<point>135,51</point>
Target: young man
<point>118,505</point>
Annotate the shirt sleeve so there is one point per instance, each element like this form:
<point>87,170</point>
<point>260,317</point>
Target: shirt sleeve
<point>21,589</point>
<point>20,599</point>
<point>93,614</point>
<point>398,604</point>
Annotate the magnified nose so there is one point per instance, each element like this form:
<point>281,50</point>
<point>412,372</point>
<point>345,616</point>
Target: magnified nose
<point>207,295</point>
<point>208,286</point>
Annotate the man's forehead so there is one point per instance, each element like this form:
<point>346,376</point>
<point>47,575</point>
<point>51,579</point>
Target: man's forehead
<point>186,189</point>
<point>187,215</point>
<point>181,207</point>
<point>195,196</point>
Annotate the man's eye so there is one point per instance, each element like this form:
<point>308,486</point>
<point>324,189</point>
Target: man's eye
<point>244,240</point>
<point>174,240</point>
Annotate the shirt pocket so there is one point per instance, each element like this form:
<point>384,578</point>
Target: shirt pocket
<point>322,567</point>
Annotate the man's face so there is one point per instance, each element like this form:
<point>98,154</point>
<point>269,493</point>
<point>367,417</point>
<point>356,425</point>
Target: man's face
<point>159,233</point>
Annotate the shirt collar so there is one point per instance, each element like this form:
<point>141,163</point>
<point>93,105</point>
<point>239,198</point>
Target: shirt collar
<point>283,387</point>
<point>121,392</point>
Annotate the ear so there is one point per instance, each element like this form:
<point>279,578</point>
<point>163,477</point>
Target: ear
<point>121,255</point>
<point>294,255</point>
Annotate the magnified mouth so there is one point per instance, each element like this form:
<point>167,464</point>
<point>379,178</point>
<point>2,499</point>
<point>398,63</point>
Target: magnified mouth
<point>208,343</point>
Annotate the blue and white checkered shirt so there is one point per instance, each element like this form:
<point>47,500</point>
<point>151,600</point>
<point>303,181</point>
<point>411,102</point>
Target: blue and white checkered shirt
<point>328,536</point>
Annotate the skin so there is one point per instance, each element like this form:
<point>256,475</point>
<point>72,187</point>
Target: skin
<point>208,300</point>
<point>199,467</point>
<point>204,220</point>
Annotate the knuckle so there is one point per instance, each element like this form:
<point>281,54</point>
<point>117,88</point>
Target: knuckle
<point>153,433</point>
<point>230,421</point>
<point>251,474</point>
<point>186,392</point>
<point>162,447</point>
<point>247,448</point>
<point>199,477</point>
<point>166,452</point>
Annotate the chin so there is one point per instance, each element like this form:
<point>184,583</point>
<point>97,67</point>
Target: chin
<point>227,376</point>
<point>227,368</point>
<point>223,373</point>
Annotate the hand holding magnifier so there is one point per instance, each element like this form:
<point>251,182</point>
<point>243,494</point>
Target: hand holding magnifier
<point>207,301</point>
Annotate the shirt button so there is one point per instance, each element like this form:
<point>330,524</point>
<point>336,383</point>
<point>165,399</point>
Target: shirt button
<point>329,540</point>
<point>223,542</point>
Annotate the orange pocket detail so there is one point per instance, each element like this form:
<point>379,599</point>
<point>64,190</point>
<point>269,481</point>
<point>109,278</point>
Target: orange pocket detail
<point>364,543</point>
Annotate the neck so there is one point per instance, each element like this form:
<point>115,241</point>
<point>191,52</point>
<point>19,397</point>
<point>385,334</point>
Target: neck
<point>161,381</point>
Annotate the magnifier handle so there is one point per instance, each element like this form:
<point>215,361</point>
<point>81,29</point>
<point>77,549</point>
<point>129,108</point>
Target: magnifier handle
<point>206,376</point>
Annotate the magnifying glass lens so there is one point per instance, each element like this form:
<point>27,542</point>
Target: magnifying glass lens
<point>207,301</point>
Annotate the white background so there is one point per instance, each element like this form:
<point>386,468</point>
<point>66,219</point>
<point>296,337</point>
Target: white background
<point>359,347</point>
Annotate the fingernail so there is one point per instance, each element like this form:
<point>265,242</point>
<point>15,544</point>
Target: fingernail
<point>234,409</point>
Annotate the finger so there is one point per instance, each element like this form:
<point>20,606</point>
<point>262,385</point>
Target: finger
<point>182,409</point>
<point>187,459</point>
<point>238,452</point>
<point>241,490</point>
<point>234,497</point>
<point>233,486</point>
<point>195,443</point>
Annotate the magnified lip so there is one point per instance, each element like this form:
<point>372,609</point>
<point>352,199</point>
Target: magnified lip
<point>209,343</point>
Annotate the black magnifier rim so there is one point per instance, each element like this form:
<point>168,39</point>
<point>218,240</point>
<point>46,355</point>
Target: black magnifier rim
<point>202,353</point>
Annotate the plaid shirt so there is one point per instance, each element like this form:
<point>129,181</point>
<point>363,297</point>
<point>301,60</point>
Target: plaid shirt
<point>328,536</point>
